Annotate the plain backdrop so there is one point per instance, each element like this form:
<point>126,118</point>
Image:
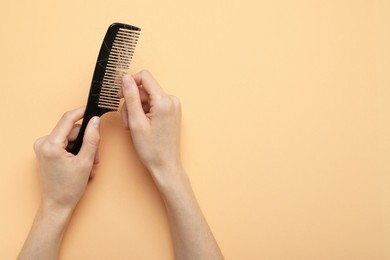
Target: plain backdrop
<point>285,135</point>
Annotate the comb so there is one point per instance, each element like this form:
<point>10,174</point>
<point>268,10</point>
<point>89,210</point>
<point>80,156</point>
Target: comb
<point>113,62</point>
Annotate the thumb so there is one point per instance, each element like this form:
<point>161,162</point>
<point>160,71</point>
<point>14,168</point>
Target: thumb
<point>133,103</point>
<point>91,140</point>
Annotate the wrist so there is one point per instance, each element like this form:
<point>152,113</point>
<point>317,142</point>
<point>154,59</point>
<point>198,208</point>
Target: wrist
<point>170,178</point>
<point>54,212</point>
<point>175,189</point>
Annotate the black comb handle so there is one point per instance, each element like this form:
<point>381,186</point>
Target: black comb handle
<point>91,110</point>
<point>102,96</point>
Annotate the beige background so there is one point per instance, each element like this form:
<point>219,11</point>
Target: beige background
<point>286,124</point>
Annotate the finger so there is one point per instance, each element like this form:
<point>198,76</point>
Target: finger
<point>133,104</point>
<point>125,116</point>
<point>146,79</point>
<point>69,142</point>
<point>74,132</point>
<point>65,125</point>
<point>90,141</point>
<point>143,94</point>
<point>145,100</point>
<point>38,143</point>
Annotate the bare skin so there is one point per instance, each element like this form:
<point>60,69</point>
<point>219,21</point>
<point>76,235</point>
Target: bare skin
<point>153,118</point>
<point>64,178</point>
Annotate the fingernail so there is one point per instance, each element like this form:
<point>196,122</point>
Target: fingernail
<point>96,121</point>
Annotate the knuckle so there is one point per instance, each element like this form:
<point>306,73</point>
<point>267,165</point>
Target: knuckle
<point>166,105</point>
<point>176,102</point>
<point>158,98</point>
<point>66,115</point>
<point>145,73</point>
<point>46,150</point>
<point>37,144</point>
<point>169,105</point>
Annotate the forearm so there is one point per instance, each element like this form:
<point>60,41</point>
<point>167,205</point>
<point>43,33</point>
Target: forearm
<point>44,239</point>
<point>192,237</point>
<point>154,119</point>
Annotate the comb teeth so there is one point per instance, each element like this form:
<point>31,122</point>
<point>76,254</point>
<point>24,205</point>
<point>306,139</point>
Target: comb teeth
<point>118,63</point>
